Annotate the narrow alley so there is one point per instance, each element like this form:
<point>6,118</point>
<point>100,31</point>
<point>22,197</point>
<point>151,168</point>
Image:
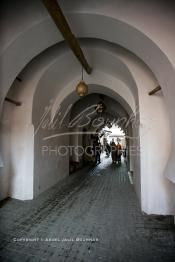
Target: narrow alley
<point>93,215</point>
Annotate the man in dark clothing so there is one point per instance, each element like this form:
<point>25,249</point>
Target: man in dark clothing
<point>113,151</point>
<point>97,149</point>
<point>108,149</point>
<point>119,152</point>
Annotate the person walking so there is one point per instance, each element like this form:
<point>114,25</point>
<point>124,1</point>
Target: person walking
<point>97,150</point>
<point>107,149</point>
<point>113,151</point>
<point>118,152</point>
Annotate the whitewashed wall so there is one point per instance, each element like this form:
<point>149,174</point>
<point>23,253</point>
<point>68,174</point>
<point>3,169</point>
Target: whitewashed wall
<point>142,28</point>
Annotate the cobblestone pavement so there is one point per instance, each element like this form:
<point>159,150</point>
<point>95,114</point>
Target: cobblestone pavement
<point>98,205</point>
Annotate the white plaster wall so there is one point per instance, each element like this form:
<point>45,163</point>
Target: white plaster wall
<point>49,166</point>
<point>17,155</point>
<point>17,134</point>
<point>155,150</point>
<point>21,172</point>
<point>155,146</point>
<point>17,148</point>
<point>51,163</point>
<point>5,130</point>
<point>135,156</point>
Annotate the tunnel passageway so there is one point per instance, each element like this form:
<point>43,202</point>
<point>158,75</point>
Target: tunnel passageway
<point>93,215</point>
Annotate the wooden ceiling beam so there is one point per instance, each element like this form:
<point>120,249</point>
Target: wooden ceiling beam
<point>58,17</point>
<point>16,103</point>
<point>155,90</point>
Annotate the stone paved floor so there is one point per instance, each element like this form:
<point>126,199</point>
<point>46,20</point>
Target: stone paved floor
<point>97,205</point>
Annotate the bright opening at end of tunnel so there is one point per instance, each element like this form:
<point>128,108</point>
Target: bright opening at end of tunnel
<point>111,143</point>
<point>114,133</point>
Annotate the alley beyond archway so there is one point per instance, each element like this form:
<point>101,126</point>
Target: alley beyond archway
<point>93,215</point>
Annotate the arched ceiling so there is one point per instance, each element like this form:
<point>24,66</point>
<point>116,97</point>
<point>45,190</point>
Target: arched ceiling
<point>83,112</point>
<point>48,77</point>
<point>141,27</point>
<point>93,19</point>
<point>55,73</point>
